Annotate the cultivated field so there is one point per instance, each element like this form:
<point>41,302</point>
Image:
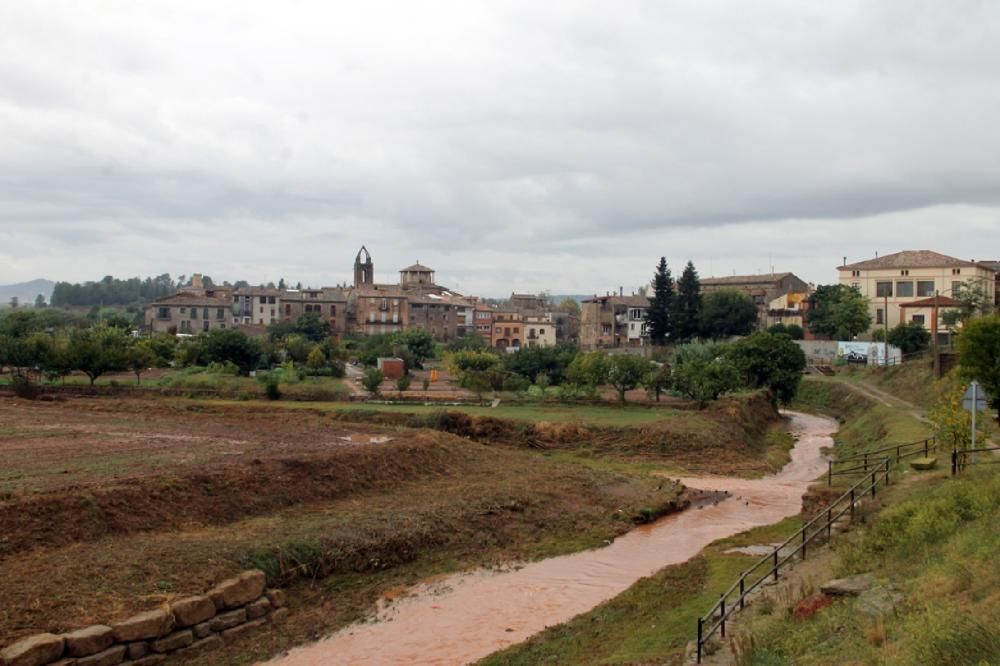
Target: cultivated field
<point>108,506</point>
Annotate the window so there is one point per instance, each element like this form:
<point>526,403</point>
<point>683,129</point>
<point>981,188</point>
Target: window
<point>262,311</point>
<point>883,289</point>
<point>270,300</point>
<point>856,286</point>
<point>904,289</point>
<point>333,310</point>
<point>918,319</point>
<point>220,313</point>
<point>635,313</point>
<point>605,329</point>
<point>956,271</point>
<point>879,316</point>
<point>183,310</point>
<point>194,313</point>
<point>904,272</point>
<point>204,313</point>
<point>204,325</point>
<point>163,313</point>
<point>855,273</point>
<point>288,309</point>
<point>925,288</point>
<point>955,287</point>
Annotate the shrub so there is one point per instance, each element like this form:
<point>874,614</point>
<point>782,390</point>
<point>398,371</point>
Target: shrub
<point>271,389</point>
<point>372,380</point>
<point>403,383</point>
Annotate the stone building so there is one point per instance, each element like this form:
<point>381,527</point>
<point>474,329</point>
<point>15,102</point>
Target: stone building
<point>613,321</point>
<point>762,289</point>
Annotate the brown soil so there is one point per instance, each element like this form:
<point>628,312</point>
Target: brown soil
<point>110,506</point>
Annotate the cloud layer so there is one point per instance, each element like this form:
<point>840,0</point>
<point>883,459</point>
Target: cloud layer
<point>509,145</point>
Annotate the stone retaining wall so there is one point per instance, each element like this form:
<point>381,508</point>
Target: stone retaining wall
<point>228,611</point>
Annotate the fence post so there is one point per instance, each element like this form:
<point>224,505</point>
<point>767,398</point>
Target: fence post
<point>804,530</point>
<point>742,579</point>
<point>866,462</point>
<point>873,484</point>
<point>925,448</point>
<point>886,471</point>
<point>700,622</point>
<point>897,453</point>
<point>852,505</point>
<point>829,523</point>
<point>722,614</point>
<point>954,462</point>
<point>775,565</point>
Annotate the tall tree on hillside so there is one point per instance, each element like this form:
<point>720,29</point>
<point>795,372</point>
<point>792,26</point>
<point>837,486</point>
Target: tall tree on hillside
<point>979,355</point>
<point>686,314</point>
<point>658,315</point>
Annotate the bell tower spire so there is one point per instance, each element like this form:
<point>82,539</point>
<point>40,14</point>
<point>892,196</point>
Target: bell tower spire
<point>364,271</point>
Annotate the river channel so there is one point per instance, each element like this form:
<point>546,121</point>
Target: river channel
<point>464,617</point>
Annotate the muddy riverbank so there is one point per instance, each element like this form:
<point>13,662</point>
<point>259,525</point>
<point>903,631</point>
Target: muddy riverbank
<point>464,617</point>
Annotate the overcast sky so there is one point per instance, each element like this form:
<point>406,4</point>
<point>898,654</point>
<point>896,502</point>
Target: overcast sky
<point>509,145</point>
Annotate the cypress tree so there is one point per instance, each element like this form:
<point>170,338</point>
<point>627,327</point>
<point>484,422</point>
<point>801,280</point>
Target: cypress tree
<point>686,313</point>
<point>658,323</point>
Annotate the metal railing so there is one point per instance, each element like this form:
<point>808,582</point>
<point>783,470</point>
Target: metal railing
<point>872,459</point>
<point>962,458</point>
<point>768,567</point>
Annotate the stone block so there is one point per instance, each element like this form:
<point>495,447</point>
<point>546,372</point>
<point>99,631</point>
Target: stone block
<point>279,614</point>
<point>224,621</point>
<point>111,657</point>
<point>851,586</point>
<point>34,650</point>
<point>258,608</point>
<point>240,590</point>
<point>151,624</point>
<point>91,640</point>
<point>192,610</point>
<point>138,650</point>
<point>149,660</point>
<point>276,597</point>
<point>242,630</point>
<point>174,641</point>
<point>204,645</point>
<point>201,630</point>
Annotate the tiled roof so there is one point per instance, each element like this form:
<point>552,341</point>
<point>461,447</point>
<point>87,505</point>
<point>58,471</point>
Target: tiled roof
<point>188,298</point>
<point>631,301</point>
<point>940,301</point>
<point>764,278</point>
<point>907,259</point>
<point>417,268</point>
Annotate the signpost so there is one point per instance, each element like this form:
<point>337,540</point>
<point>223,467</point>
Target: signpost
<point>974,401</point>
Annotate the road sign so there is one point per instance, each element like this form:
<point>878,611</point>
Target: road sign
<point>974,395</point>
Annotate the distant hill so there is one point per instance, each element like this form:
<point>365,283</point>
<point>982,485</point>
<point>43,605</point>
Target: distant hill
<point>26,292</point>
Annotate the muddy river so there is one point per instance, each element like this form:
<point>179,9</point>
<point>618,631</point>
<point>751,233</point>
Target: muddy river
<point>465,617</point>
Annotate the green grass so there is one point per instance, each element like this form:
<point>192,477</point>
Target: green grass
<point>939,547</point>
<point>563,413</point>
<point>653,620</point>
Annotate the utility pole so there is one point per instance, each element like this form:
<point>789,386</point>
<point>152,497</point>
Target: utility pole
<point>885,331</point>
<point>934,336</point>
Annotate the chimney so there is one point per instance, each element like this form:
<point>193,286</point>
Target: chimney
<point>621,290</point>
<point>196,281</point>
<point>845,262</point>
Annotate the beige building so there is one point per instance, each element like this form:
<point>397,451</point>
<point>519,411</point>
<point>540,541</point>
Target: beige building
<point>613,321</point>
<point>902,287</point>
<point>190,312</point>
<point>762,289</point>
<point>539,331</point>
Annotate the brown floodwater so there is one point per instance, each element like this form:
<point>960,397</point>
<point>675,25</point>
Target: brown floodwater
<point>464,617</point>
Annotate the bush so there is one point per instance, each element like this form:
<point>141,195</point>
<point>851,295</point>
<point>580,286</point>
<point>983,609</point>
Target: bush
<point>911,337</point>
<point>403,383</point>
<point>372,380</point>
<point>271,389</point>
<point>515,383</point>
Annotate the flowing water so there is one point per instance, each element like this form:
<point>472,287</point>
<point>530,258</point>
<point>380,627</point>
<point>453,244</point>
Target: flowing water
<point>465,617</point>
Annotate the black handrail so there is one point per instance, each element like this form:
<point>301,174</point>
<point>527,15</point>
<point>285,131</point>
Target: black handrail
<point>706,628</point>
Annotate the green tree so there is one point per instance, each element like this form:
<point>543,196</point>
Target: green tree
<point>221,345</point>
<point>531,361</point>
<point>688,305</point>
<point>727,312</point>
<point>371,380</point>
<point>420,344</point>
<point>626,372</point>
<point>972,300</point>
<point>471,341</point>
<point>794,331</point>
<point>838,312</point>
<point>770,361</point>
<point>569,306</point>
<point>588,369</point>
<point>40,301</point>
<point>658,381</point>
<point>403,383</point>
<point>140,357</point>
<point>979,355</point>
<point>98,350</point>
<point>702,372</point>
<point>316,359</point>
<point>298,347</point>
<point>910,337</point>
<point>658,322</point>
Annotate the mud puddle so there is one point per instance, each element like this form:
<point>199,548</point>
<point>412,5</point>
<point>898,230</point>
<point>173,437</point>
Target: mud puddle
<point>465,617</point>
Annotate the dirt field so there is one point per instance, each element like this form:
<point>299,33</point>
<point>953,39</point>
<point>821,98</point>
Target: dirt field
<point>110,506</point>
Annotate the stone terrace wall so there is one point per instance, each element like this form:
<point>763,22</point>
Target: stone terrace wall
<point>227,612</point>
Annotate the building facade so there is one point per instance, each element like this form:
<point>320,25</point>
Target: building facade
<point>761,289</point>
<point>613,321</point>
<point>915,285</point>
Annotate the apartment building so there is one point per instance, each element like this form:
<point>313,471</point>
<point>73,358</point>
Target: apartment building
<point>190,312</point>
<point>613,321</point>
<point>915,285</point>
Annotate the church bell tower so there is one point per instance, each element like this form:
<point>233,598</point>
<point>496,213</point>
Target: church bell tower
<point>364,271</point>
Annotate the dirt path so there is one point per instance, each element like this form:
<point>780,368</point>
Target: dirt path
<point>465,617</point>
<point>884,397</point>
